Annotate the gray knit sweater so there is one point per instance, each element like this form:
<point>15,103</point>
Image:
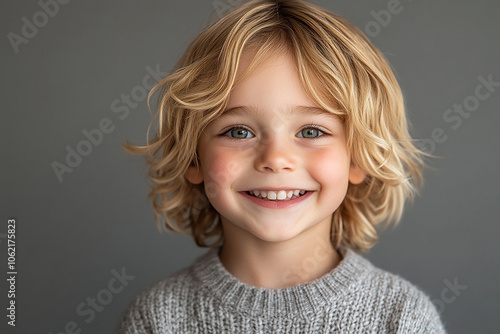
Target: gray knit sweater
<point>355,297</point>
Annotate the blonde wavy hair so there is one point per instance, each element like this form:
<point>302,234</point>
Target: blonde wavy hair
<point>340,70</point>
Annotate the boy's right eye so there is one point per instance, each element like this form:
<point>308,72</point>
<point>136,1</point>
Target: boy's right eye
<point>239,133</point>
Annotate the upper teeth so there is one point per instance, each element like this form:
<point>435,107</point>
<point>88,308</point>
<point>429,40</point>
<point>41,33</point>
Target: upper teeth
<point>277,195</point>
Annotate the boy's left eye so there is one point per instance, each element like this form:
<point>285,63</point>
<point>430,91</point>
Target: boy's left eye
<point>311,132</point>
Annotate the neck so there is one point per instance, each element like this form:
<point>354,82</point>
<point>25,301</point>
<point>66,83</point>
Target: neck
<point>275,265</point>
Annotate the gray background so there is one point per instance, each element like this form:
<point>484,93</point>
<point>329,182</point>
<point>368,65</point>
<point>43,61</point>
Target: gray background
<point>72,234</point>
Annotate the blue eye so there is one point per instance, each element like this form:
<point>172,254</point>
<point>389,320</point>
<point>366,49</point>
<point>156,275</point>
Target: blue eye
<point>239,133</point>
<point>310,132</point>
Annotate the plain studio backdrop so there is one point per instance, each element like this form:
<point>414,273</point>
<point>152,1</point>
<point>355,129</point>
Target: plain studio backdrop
<point>86,240</point>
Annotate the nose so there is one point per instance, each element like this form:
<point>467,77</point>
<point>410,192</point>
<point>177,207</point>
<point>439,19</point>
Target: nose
<point>275,156</point>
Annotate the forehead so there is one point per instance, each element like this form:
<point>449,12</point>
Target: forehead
<point>269,78</point>
<point>256,56</point>
<point>274,81</point>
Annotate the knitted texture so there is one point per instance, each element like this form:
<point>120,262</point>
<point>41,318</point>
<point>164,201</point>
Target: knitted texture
<point>355,297</point>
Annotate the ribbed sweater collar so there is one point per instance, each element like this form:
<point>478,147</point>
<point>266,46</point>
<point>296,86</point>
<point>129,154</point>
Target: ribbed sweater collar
<point>300,300</point>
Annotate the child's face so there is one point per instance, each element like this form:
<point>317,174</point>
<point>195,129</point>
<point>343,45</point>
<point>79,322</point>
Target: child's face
<point>275,142</point>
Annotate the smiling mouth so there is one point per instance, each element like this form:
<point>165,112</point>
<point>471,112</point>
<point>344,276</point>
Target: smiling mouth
<point>281,195</point>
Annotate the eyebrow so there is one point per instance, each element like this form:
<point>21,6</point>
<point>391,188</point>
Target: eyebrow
<point>294,110</point>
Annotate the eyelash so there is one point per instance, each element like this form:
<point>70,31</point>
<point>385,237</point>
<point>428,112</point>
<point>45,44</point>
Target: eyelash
<point>225,132</point>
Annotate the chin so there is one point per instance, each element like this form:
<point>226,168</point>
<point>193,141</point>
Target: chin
<point>276,235</point>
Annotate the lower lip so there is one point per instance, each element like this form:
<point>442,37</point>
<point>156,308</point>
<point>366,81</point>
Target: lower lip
<point>270,204</point>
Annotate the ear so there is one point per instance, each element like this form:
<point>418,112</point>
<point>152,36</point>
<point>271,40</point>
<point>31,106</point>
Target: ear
<point>194,174</point>
<point>356,174</point>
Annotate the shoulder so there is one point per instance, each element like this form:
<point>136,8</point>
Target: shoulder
<point>154,309</point>
<point>405,307</point>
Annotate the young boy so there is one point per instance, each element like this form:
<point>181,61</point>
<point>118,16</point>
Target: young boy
<point>282,144</point>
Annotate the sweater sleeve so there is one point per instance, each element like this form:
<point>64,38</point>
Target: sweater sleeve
<point>145,314</point>
<point>156,309</point>
<point>135,320</point>
<point>419,315</point>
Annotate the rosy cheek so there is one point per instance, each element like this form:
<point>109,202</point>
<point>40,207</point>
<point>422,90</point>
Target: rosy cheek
<point>329,165</point>
<point>220,169</point>
<point>224,159</point>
